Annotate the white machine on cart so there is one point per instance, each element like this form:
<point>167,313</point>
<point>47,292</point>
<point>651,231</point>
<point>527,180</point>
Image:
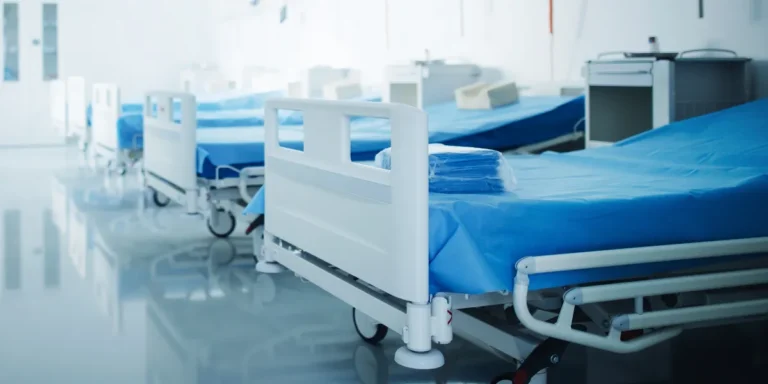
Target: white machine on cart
<point>169,166</point>
<point>363,236</point>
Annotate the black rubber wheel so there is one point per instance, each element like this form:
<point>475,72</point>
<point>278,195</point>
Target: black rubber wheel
<point>230,228</point>
<point>373,338</point>
<point>160,200</point>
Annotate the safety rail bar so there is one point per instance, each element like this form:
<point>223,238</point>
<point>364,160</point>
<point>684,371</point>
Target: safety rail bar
<point>665,324</point>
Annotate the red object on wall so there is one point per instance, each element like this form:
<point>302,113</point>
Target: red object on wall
<point>551,18</point>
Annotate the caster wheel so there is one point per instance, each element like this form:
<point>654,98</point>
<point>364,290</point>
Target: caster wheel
<point>159,199</point>
<point>225,227</point>
<point>121,170</point>
<point>369,330</point>
<point>267,267</point>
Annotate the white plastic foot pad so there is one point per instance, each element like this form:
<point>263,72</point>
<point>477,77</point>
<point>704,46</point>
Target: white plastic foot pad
<point>267,267</point>
<point>419,360</point>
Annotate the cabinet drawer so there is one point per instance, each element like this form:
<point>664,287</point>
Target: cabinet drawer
<point>621,74</point>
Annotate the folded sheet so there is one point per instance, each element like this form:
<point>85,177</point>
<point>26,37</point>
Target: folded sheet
<point>462,169</point>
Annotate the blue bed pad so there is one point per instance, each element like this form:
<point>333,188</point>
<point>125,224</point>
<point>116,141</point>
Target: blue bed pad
<point>130,127</point>
<point>532,120</point>
<point>702,179</point>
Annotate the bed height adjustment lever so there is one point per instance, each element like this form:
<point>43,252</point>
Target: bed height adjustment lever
<point>546,355</point>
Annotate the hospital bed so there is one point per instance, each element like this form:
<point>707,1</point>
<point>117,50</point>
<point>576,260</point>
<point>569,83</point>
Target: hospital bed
<point>175,169</point>
<point>617,248</point>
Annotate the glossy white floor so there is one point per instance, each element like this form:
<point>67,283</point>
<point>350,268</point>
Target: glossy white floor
<point>96,288</point>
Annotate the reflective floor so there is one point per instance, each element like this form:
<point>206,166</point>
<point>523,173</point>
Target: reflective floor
<point>98,286</point>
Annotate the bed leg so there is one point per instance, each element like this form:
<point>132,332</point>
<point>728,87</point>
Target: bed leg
<point>267,263</point>
<point>417,334</point>
<point>191,200</point>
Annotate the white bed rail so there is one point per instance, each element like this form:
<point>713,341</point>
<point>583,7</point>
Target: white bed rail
<point>105,105</point>
<point>77,106</point>
<point>369,222</point>
<point>170,146</point>
<point>58,100</point>
<point>663,324</point>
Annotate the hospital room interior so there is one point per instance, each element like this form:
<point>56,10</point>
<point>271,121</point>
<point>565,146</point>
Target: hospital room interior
<point>294,191</point>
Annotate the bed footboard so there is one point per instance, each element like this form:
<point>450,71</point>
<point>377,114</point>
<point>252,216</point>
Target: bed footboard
<point>59,107</point>
<point>77,107</point>
<point>105,113</point>
<point>170,147</point>
<point>366,221</point>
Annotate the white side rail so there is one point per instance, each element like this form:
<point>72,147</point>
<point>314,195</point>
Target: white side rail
<point>665,323</point>
<point>170,146</point>
<point>366,221</point>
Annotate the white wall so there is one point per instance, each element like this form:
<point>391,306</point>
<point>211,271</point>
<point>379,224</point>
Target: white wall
<point>510,34</point>
<point>138,44</point>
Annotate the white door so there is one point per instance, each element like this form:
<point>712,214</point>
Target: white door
<point>30,60</point>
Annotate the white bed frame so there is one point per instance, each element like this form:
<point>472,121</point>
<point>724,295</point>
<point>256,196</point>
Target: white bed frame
<point>169,169</point>
<point>58,105</point>
<point>77,103</point>
<point>363,237</point>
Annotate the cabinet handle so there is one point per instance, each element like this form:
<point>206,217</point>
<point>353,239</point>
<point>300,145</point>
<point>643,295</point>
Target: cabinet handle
<point>623,72</point>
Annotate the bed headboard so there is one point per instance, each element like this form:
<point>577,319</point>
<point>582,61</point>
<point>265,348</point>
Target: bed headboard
<point>170,146</point>
<point>204,80</point>
<point>423,85</point>
<point>262,79</point>
<point>313,80</point>
<point>77,104</point>
<point>368,221</point>
<point>58,100</point>
<point>105,104</point>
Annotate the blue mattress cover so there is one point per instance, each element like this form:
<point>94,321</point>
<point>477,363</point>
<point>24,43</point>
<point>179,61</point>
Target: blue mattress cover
<point>244,147</point>
<point>702,179</point>
<point>531,120</point>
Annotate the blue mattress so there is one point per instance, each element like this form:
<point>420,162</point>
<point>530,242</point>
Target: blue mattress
<point>702,179</point>
<point>222,111</point>
<point>532,120</point>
